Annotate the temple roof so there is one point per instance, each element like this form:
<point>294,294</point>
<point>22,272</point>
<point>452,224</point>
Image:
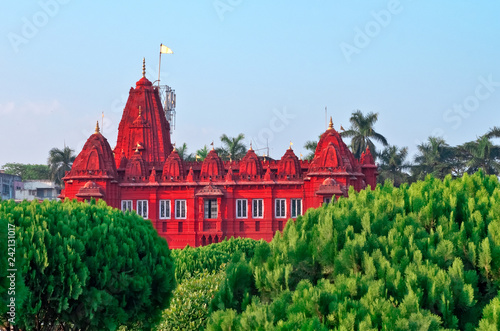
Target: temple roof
<point>144,125</point>
<point>367,157</point>
<point>289,164</point>
<point>250,165</point>
<point>95,159</point>
<point>174,166</point>
<point>331,187</point>
<point>212,166</point>
<point>332,153</point>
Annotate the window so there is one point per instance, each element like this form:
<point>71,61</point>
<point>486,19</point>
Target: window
<point>296,207</point>
<point>241,208</point>
<point>164,227</point>
<point>164,209</point>
<point>180,227</point>
<point>257,226</point>
<point>210,208</point>
<point>142,208</point>
<point>280,210</point>
<point>180,209</point>
<point>257,208</point>
<point>326,200</point>
<point>126,205</point>
<point>5,189</point>
<point>242,226</point>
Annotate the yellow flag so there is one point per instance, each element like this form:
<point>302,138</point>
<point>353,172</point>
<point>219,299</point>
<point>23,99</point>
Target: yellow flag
<point>165,50</point>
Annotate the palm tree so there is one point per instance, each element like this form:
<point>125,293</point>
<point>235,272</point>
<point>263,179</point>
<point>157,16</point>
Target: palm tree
<point>233,148</point>
<point>482,154</point>
<point>493,133</point>
<point>202,153</point>
<point>60,161</point>
<point>434,157</point>
<point>361,133</point>
<point>392,164</point>
<point>183,154</point>
<point>310,145</point>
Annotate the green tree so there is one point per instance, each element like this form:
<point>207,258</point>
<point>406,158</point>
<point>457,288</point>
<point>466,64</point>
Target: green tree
<point>434,157</point>
<point>183,153</point>
<point>310,145</point>
<point>202,153</point>
<point>481,153</point>
<point>362,133</point>
<point>232,147</point>
<point>392,165</point>
<point>88,266</point>
<point>419,257</point>
<point>494,132</point>
<point>189,309</point>
<point>27,171</point>
<point>60,161</point>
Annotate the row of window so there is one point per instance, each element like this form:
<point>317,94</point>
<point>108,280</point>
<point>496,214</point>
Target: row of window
<point>211,208</point>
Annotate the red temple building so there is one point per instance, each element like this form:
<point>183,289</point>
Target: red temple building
<point>203,202</point>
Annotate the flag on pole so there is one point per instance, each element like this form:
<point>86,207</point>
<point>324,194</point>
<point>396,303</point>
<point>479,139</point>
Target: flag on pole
<point>165,50</point>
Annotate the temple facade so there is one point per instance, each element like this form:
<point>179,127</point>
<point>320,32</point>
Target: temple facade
<point>203,202</point>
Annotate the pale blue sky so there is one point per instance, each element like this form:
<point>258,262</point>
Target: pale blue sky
<point>263,68</point>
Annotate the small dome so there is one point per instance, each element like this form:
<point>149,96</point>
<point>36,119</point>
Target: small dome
<point>90,184</point>
<point>143,82</point>
<point>329,182</point>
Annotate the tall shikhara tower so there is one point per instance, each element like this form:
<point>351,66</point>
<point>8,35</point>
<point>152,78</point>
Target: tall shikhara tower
<point>202,202</point>
<point>143,127</point>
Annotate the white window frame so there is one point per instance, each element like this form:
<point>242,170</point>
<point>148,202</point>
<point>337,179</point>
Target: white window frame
<point>209,209</point>
<point>168,211</point>
<point>182,205</point>
<point>259,210</point>
<point>127,205</point>
<point>295,203</point>
<point>142,208</point>
<point>282,208</point>
<point>241,208</point>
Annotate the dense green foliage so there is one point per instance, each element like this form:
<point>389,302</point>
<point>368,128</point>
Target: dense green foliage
<point>27,171</point>
<point>423,257</point>
<point>88,266</point>
<point>189,308</point>
<point>190,260</point>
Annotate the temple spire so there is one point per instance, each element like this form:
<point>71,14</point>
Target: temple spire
<point>143,67</point>
<point>330,125</point>
<point>97,127</point>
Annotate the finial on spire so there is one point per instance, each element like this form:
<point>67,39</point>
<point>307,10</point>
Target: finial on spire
<point>213,146</point>
<point>173,145</point>
<point>290,145</point>
<point>330,125</point>
<point>143,67</point>
<point>97,127</point>
<point>251,146</point>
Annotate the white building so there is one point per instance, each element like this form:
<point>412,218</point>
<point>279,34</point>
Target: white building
<point>37,190</point>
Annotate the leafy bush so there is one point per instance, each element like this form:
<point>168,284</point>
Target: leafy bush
<point>191,260</point>
<point>189,308</point>
<point>88,266</point>
<point>425,256</point>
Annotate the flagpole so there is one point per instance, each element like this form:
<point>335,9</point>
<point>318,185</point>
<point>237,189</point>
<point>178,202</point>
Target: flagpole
<point>159,67</point>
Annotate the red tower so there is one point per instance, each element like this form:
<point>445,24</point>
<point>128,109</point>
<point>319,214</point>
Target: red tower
<point>143,127</point>
<point>198,203</point>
